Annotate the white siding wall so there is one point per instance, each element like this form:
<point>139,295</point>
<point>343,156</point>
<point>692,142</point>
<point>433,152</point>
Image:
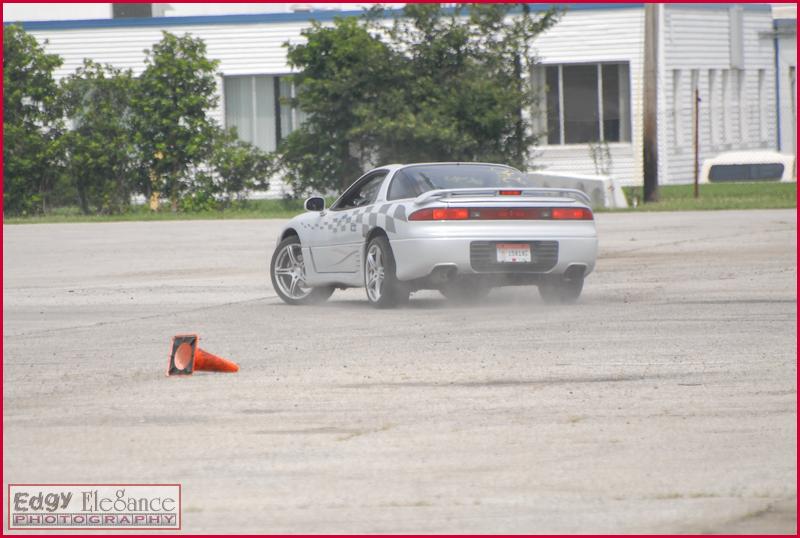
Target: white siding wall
<point>787,47</point>
<point>698,39</point>
<point>242,49</point>
<point>610,35</point>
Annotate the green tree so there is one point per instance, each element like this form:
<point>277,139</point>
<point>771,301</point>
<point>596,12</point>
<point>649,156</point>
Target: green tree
<point>31,123</point>
<point>172,128</point>
<point>439,84</point>
<point>469,82</point>
<point>101,158</point>
<point>344,70</point>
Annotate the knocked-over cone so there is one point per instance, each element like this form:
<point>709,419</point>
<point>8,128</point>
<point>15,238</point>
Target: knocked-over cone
<point>187,357</point>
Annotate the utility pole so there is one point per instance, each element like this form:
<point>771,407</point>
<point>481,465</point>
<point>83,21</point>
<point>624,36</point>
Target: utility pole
<point>650,123</point>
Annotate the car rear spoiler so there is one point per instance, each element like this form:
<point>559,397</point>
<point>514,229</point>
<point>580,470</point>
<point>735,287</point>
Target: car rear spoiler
<point>536,192</point>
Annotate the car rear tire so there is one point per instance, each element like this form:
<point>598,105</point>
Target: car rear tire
<point>560,290</point>
<point>288,274</point>
<point>380,277</point>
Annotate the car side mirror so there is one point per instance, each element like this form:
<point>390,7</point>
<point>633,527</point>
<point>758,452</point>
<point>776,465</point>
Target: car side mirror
<point>315,203</point>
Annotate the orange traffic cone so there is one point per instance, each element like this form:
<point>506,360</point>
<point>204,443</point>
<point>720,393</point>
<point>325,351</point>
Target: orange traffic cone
<point>187,357</point>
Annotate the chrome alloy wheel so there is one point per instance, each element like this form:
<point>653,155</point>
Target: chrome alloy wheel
<point>374,273</point>
<point>290,273</point>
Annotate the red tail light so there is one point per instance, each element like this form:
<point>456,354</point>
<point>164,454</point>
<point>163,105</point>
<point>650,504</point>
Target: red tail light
<point>510,193</point>
<point>571,213</point>
<point>441,213</point>
<point>502,213</point>
<point>451,213</point>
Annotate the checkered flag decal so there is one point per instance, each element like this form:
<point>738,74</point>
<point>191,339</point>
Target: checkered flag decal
<point>364,218</point>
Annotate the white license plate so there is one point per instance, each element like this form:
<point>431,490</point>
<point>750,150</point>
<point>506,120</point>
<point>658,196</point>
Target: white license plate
<point>513,253</point>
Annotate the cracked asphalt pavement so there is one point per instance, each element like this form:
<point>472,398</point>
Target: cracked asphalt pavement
<point>665,401</point>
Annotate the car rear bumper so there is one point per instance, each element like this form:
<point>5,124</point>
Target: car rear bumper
<point>419,257</point>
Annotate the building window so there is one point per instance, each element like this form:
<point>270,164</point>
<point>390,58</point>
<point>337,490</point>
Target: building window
<point>554,118</point>
<point>587,103</point>
<point>131,11</point>
<point>253,105</point>
<point>581,103</point>
<point>285,90</point>
<point>677,109</point>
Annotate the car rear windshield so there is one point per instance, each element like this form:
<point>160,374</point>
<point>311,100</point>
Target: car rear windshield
<point>412,181</point>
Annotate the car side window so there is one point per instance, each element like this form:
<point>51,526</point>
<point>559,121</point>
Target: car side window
<point>365,194</point>
<point>402,187</point>
<point>406,184</point>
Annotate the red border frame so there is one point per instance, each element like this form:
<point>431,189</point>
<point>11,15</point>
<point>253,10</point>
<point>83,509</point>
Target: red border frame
<point>104,529</point>
<point>2,432</point>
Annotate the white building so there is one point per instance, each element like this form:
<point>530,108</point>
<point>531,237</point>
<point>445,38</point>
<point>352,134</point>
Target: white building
<point>786,60</point>
<point>591,76</point>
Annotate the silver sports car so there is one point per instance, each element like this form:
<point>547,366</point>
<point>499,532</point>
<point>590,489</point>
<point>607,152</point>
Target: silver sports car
<point>461,228</point>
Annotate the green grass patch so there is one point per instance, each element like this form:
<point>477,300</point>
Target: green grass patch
<point>717,196</point>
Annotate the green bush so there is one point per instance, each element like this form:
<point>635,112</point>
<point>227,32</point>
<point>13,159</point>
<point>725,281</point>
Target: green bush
<point>239,167</point>
<point>101,159</point>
